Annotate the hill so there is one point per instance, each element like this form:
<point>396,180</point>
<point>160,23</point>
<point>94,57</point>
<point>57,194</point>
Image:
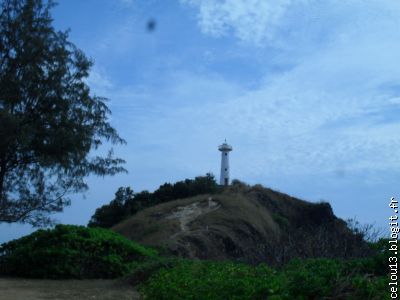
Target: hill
<point>246,223</point>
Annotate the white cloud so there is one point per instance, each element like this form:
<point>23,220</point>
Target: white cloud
<point>287,133</point>
<point>289,24</point>
<point>329,112</point>
<point>253,20</point>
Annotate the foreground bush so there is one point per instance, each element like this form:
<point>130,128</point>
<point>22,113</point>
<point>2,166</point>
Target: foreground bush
<point>300,279</point>
<point>143,271</point>
<point>333,279</point>
<point>69,251</point>
<point>212,280</point>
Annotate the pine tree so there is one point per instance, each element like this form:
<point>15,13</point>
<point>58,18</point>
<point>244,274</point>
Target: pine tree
<point>50,123</point>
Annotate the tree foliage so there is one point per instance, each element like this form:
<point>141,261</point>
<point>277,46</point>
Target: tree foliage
<point>69,251</point>
<point>127,203</point>
<point>49,121</point>
<point>110,214</point>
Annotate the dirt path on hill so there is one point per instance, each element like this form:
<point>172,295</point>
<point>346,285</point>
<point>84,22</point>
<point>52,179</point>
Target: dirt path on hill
<point>37,289</point>
<point>189,213</point>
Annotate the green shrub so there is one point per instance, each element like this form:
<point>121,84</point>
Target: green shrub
<point>212,281</point>
<point>333,279</point>
<point>69,251</point>
<point>177,279</point>
<point>371,288</point>
<point>318,277</point>
<point>143,271</point>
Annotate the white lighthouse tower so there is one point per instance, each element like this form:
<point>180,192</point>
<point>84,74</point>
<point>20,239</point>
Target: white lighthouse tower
<point>225,149</point>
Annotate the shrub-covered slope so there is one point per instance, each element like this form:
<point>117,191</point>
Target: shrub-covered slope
<point>69,251</point>
<point>250,224</point>
<point>299,279</point>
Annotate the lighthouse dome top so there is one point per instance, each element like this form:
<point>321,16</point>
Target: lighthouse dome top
<point>225,147</point>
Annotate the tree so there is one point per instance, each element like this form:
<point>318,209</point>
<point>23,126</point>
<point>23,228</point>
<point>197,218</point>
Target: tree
<point>49,121</point>
<point>114,212</point>
<point>126,203</point>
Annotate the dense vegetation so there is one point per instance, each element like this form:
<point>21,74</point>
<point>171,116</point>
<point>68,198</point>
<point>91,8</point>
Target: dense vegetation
<point>127,203</point>
<point>300,279</point>
<point>251,224</point>
<point>78,252</point>
<point>71,252</point>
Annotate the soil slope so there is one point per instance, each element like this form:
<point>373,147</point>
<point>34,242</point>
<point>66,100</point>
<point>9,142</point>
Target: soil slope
<point>250,224</point>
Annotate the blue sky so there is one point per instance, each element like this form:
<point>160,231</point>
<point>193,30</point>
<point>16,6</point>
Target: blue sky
<point>307,92</point>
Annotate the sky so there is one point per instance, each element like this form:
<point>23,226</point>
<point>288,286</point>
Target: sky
<point>307,92</point>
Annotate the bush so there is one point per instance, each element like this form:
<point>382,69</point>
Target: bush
<point>318,277</point>
<point>212,281</point>
<point>372,288</point>
<point>69,251</point>
<point>177,279</point>
<point>146,269</point>
<point>332,279</point>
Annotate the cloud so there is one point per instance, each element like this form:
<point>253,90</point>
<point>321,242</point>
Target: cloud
<point>249,20</point>
<point>276,129</point>
<point>331,111</point>
<point>295,25</point>
<point>334,109</point>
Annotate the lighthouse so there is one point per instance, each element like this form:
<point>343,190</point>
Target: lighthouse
<point>225,149</point>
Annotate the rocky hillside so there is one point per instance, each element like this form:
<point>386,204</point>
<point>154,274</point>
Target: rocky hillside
<point>250,224</point>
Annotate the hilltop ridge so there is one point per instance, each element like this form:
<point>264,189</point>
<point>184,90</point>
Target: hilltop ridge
<point>246,223</point>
